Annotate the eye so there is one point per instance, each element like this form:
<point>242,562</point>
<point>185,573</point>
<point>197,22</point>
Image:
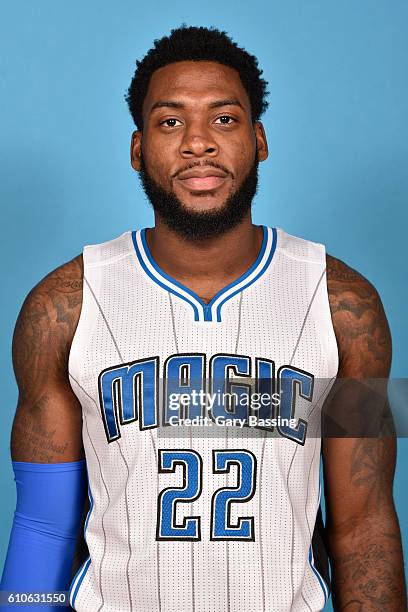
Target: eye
<point>171,122</point>
<point>225,119</point>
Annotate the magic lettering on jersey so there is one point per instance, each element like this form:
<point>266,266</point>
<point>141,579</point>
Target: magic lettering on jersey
<point>131,393</point>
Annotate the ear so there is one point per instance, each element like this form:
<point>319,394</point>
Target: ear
<point>136,150</point>
<point>261,141</point>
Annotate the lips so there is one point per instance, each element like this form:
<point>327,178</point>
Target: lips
<point>204,179</point>
<point>197,183</point>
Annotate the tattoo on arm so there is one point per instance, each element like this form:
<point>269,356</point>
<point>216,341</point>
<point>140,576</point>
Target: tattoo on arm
<point>38,438</point>
<point>359,322</point>
<point>372,469</point>
<point>364,537</point>
<point>368,573</point>
<point>46,325</point>
<point>41,344</point>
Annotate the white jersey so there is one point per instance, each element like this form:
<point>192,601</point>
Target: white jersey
<point>209,505</point>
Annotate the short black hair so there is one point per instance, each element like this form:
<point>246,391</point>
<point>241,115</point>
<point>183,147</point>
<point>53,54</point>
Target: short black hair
<point>197,44</point>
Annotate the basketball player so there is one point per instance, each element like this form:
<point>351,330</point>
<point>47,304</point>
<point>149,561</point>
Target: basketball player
<point>229,518</point>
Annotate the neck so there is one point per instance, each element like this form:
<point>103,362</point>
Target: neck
<point>208,264</point>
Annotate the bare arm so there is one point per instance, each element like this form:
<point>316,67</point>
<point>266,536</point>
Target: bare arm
<point>47,426</point>
<point>362,526</point>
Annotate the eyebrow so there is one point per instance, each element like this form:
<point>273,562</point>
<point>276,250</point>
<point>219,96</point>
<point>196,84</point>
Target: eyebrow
<point>215,104</point>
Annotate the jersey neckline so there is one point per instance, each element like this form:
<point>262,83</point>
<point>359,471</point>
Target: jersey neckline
<point>212,310</point>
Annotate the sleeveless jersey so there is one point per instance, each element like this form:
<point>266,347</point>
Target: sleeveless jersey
<point>215,513</point>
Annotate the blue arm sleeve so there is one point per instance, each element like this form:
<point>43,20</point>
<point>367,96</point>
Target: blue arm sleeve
<point>50,501</point>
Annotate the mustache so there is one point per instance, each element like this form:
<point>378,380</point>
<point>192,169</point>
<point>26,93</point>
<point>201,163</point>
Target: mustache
<point>209,163</point>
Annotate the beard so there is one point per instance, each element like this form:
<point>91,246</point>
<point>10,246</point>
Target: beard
<point>203,224</point>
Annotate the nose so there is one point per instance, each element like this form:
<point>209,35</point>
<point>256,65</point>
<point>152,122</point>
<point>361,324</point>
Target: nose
<point>198,142</point>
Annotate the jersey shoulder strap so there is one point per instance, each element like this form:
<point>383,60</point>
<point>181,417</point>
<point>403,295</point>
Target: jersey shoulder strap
<point>109,251</point>
<point>300,248</point>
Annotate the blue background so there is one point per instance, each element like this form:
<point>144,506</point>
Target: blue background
<point>337,128</point>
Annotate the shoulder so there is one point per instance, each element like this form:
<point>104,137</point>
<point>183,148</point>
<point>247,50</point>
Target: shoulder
<point>348,288</point>
<point>359,321</point>
<point>63,283</point>
<point>345,284</point>
<point>49,316</point>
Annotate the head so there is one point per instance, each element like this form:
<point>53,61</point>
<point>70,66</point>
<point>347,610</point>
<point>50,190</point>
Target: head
<point>196,99</point>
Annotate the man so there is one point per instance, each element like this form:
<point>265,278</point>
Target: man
<point>227,518</point>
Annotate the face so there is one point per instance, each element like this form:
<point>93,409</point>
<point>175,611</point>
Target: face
<point>199,149</point>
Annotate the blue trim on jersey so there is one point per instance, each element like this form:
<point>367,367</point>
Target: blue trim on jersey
<point>324,586</point>
<point>264,268</point>
<point>155,279</point>
<point>322,583</point>
<point>84,567</point>
<point>199,306</point>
